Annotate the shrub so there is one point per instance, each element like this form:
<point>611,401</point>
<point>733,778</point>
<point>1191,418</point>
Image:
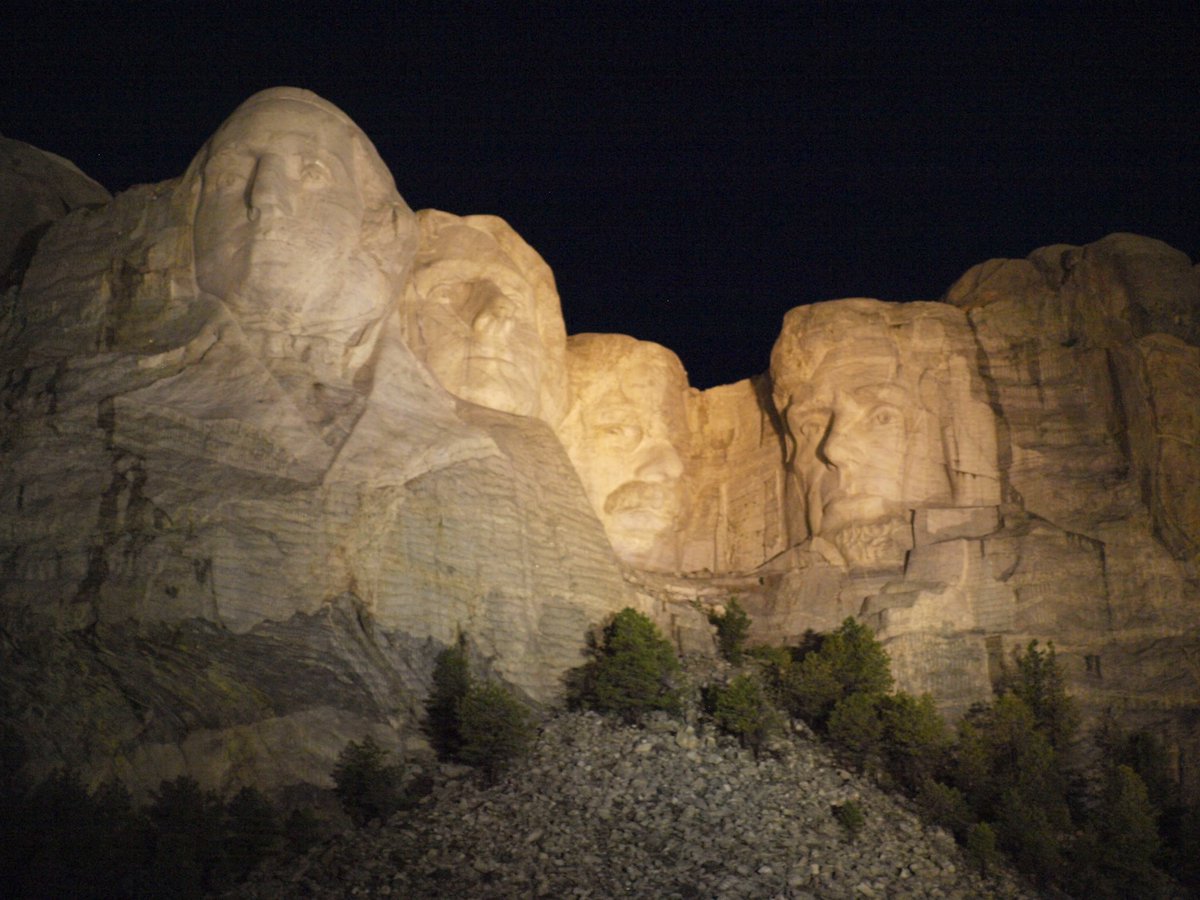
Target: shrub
<point>810,689</point>
<point>633,671</point>
<point>189,853</point>
<point>494,727</point>
<point>916,741</point>
<point>62,841</point>
<point>367,782</point>
<point>946,806</point>
<point>732,628</point>
<point>252,831</point>
<point>860,665</point>
<point>451,681</point>
<point>301,830</point>
<point>849,661</point>
<point>981,847</point>
<point>850,816</point>
<point>743,709</point>
<point>855,725</point>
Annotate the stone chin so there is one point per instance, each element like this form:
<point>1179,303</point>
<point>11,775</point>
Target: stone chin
<point>637,516</point>
<point>848,511</point>
<point>872,545</point>
<point>498,384</point>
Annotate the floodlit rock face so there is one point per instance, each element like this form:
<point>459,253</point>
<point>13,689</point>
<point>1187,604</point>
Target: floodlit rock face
<point>1017,463</point>
<point>237,510</point>
<point>625,432</point>
<point>36,189</point>
<point>271,441</point>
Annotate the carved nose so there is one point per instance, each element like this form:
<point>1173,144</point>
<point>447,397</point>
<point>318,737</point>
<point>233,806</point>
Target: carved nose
<point>835,447</point>
<point>658,461</point>
<point>269,190</point>
<point>498,311</point>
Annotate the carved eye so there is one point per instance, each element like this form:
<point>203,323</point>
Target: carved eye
<point>885,415</point>
<point>315,173</point>
<point>622,434</point>
<point>226,180</point>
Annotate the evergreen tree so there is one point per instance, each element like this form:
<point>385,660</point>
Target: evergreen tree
<point>1040,683</point>
<point>743,709</point>
<point>494,727</point>
<point>633,671</point>
<point>849,661</point>
<point>916,741</point>
<point>367,782</point>
<point>1116,856</point>
<point>732,628</point>
<point>451,681</point>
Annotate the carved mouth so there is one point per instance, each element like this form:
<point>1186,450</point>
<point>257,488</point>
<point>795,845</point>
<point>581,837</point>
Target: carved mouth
<point>842,509</point>
<point>642,505</point>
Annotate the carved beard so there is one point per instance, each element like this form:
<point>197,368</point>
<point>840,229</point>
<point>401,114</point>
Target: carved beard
<point>874,545</point>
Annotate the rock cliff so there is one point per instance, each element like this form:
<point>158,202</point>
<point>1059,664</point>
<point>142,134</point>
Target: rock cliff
<point>271,441</point>
<point>235,534</point>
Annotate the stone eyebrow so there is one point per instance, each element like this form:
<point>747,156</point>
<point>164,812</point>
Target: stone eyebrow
<point>884,391</point>
<point>226,149</point>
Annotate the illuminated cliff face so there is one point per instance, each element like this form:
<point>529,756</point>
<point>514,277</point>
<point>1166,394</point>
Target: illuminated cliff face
<point>625,435</point>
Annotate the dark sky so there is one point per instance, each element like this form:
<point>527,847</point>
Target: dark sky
<point>690,171</point>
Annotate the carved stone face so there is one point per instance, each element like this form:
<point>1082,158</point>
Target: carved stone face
<point>879,417</point>
<point>485,318</point>
<point>624,434</point>
<point>864,448</point>
<point>280,214</point>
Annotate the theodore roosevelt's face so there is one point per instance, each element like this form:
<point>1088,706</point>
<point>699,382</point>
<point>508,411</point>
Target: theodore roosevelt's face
<point>623,434</point>
<point>280,212</point>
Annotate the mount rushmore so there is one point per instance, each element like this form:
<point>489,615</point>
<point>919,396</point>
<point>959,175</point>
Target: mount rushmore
<point>271,441</point>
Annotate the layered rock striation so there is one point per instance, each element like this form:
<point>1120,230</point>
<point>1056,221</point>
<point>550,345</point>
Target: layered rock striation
<point>271,441</point>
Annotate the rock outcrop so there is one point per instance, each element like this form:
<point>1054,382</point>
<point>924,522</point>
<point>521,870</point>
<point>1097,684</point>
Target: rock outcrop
<point>270,441</point>
<point>239,516</point>
<point>37,188</point>
<point>1016,463</point>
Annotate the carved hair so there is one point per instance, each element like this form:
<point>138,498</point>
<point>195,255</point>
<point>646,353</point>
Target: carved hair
<point>389,233</point>
<point>593,358</point>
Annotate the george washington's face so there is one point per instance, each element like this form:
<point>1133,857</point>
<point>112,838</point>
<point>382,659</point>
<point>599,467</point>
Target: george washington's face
<point>280,214</point>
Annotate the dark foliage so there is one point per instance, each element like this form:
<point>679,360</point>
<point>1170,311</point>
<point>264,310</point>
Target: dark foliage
<point>732,629</point>
<point>367,783</point>
<point>495,728</point>
<point>451,681</point>
<point>743,709</point>
<point>632,672</point>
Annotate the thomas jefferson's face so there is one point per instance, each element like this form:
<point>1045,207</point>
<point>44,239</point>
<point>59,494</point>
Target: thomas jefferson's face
<point>478,324</point>
<point>280,213</point>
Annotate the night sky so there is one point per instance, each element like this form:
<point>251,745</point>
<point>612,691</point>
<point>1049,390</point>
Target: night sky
<point>689,171</point>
